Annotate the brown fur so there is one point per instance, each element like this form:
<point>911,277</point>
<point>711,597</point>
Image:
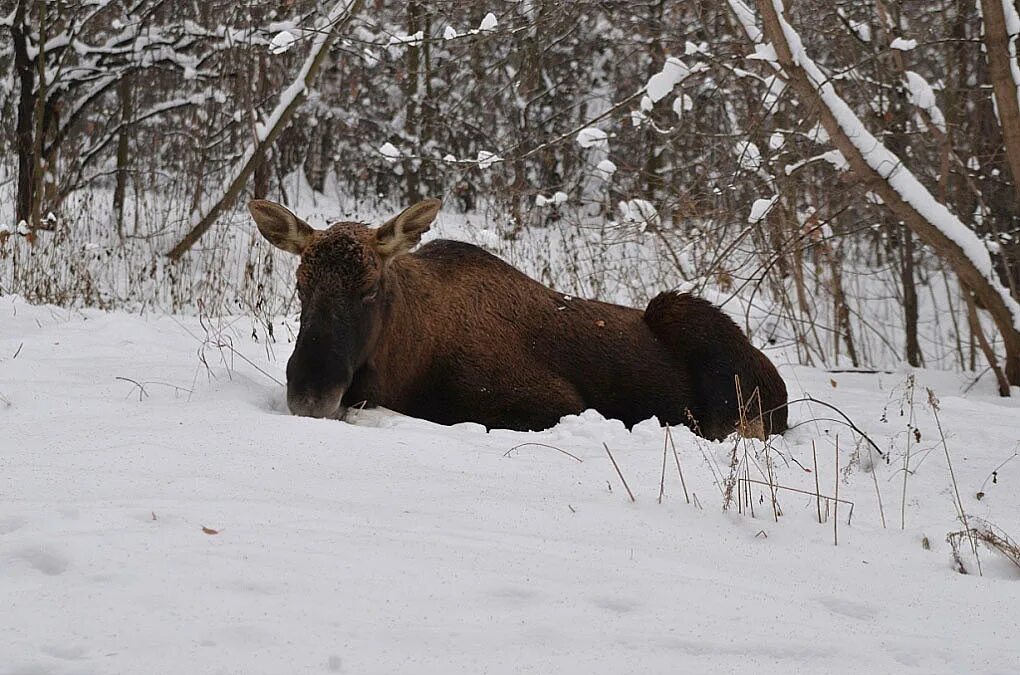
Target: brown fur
<point>452,334</point>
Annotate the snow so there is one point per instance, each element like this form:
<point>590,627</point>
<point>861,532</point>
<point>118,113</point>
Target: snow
<point>412,40</point>
<point>593,137</point>
<point>660,84</point>
<point>748,155</point>
<point>450,33</point>
<point>389,151</point>
<point>681,104</point>
<point>640,213</point>
<point>763,52</point>
<point>395,545</point>
<point>605,169</point>
<point>557,199</point>
<point>902,44</point>
<point>488,23</point>
<point>282,42</point>
<point>760,208</point>
<point>486,159</point>
<point>922,96</point>
<point>836,159</point>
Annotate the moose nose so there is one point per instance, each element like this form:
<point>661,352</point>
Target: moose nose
<point>323,406</point>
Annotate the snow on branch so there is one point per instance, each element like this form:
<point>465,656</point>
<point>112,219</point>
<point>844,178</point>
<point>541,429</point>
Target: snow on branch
<point>266,132</point>
<point>880,168</point>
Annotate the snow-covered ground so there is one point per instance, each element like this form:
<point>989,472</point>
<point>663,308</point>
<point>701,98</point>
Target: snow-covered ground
<point>161,513</point>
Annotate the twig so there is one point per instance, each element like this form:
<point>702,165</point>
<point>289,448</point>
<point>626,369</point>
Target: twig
<point>662,478</point>
<point>878,493</point>
<point>846,419</point>
<point>995,472</point>
<point>618,472</point>
<point>835,505</point>
<point>933,403</point>
<point>827,498</point>
<point>676,456</point>
<point>818,489</point>
<point>543,445</point>
<point>141,388</point>
<point>906,457</point>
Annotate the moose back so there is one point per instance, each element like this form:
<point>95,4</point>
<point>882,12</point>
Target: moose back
<point>451,333</point>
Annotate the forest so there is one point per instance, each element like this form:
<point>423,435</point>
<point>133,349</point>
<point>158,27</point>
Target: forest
<point>839,177</point>
<point>140,127</point>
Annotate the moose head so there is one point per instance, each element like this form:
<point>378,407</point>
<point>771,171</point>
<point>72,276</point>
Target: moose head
<point>342,286</point>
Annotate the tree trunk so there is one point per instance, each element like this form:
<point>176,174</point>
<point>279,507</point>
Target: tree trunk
<point>123,151</point>
<point>26,113</point>
<point>1001,63</point>
<point>263,170</point>
<point>39,168</point>
<point>910,313</point>
<point>412,98</point>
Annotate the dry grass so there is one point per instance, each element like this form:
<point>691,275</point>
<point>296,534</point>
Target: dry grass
<point>993,537</point>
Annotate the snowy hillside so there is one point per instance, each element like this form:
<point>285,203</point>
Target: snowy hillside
<point>161,513</point>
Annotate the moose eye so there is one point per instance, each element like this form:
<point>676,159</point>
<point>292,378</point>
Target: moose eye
<point>370,295</point>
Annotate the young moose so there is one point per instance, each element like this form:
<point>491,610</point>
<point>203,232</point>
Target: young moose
<point>452,334</point>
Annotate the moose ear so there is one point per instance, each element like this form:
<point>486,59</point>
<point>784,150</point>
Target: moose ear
<point>282,228</point>
<point>402,233</point>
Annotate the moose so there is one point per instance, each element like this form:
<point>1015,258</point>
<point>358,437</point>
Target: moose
<point>451,333</point>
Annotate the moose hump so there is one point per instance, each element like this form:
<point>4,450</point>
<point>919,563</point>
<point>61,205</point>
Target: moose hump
<point>451,333</point>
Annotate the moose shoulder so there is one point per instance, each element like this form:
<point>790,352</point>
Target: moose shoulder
<point>451,333</point>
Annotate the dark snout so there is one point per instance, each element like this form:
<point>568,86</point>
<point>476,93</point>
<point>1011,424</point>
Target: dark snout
<point>316,384</point>
<point>316,405</point>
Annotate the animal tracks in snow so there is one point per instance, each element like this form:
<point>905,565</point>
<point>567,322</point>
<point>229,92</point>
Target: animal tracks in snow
<point>45,559</point>
<point>9,524</point>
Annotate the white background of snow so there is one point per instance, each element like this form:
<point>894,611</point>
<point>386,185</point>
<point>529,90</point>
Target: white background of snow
<point>558,197</point>
<point>282,42</point>
<point>394,545</point>
<point>761,207</point>
<point>659,85</point>
<point>593,137</point>
<point>389,151</point>
<point>488,23</point>
<point>922,96</point>
<point>605,169</point>
<point>487,159</point>
<point>639,212</point>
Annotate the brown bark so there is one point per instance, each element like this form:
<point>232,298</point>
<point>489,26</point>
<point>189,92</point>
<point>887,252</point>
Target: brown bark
<point>412,97</point>
<point>260,187</point>
<point>964,268</point>
<point>910,310</point>
<point>26,115</point>
<point>977,332</point>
